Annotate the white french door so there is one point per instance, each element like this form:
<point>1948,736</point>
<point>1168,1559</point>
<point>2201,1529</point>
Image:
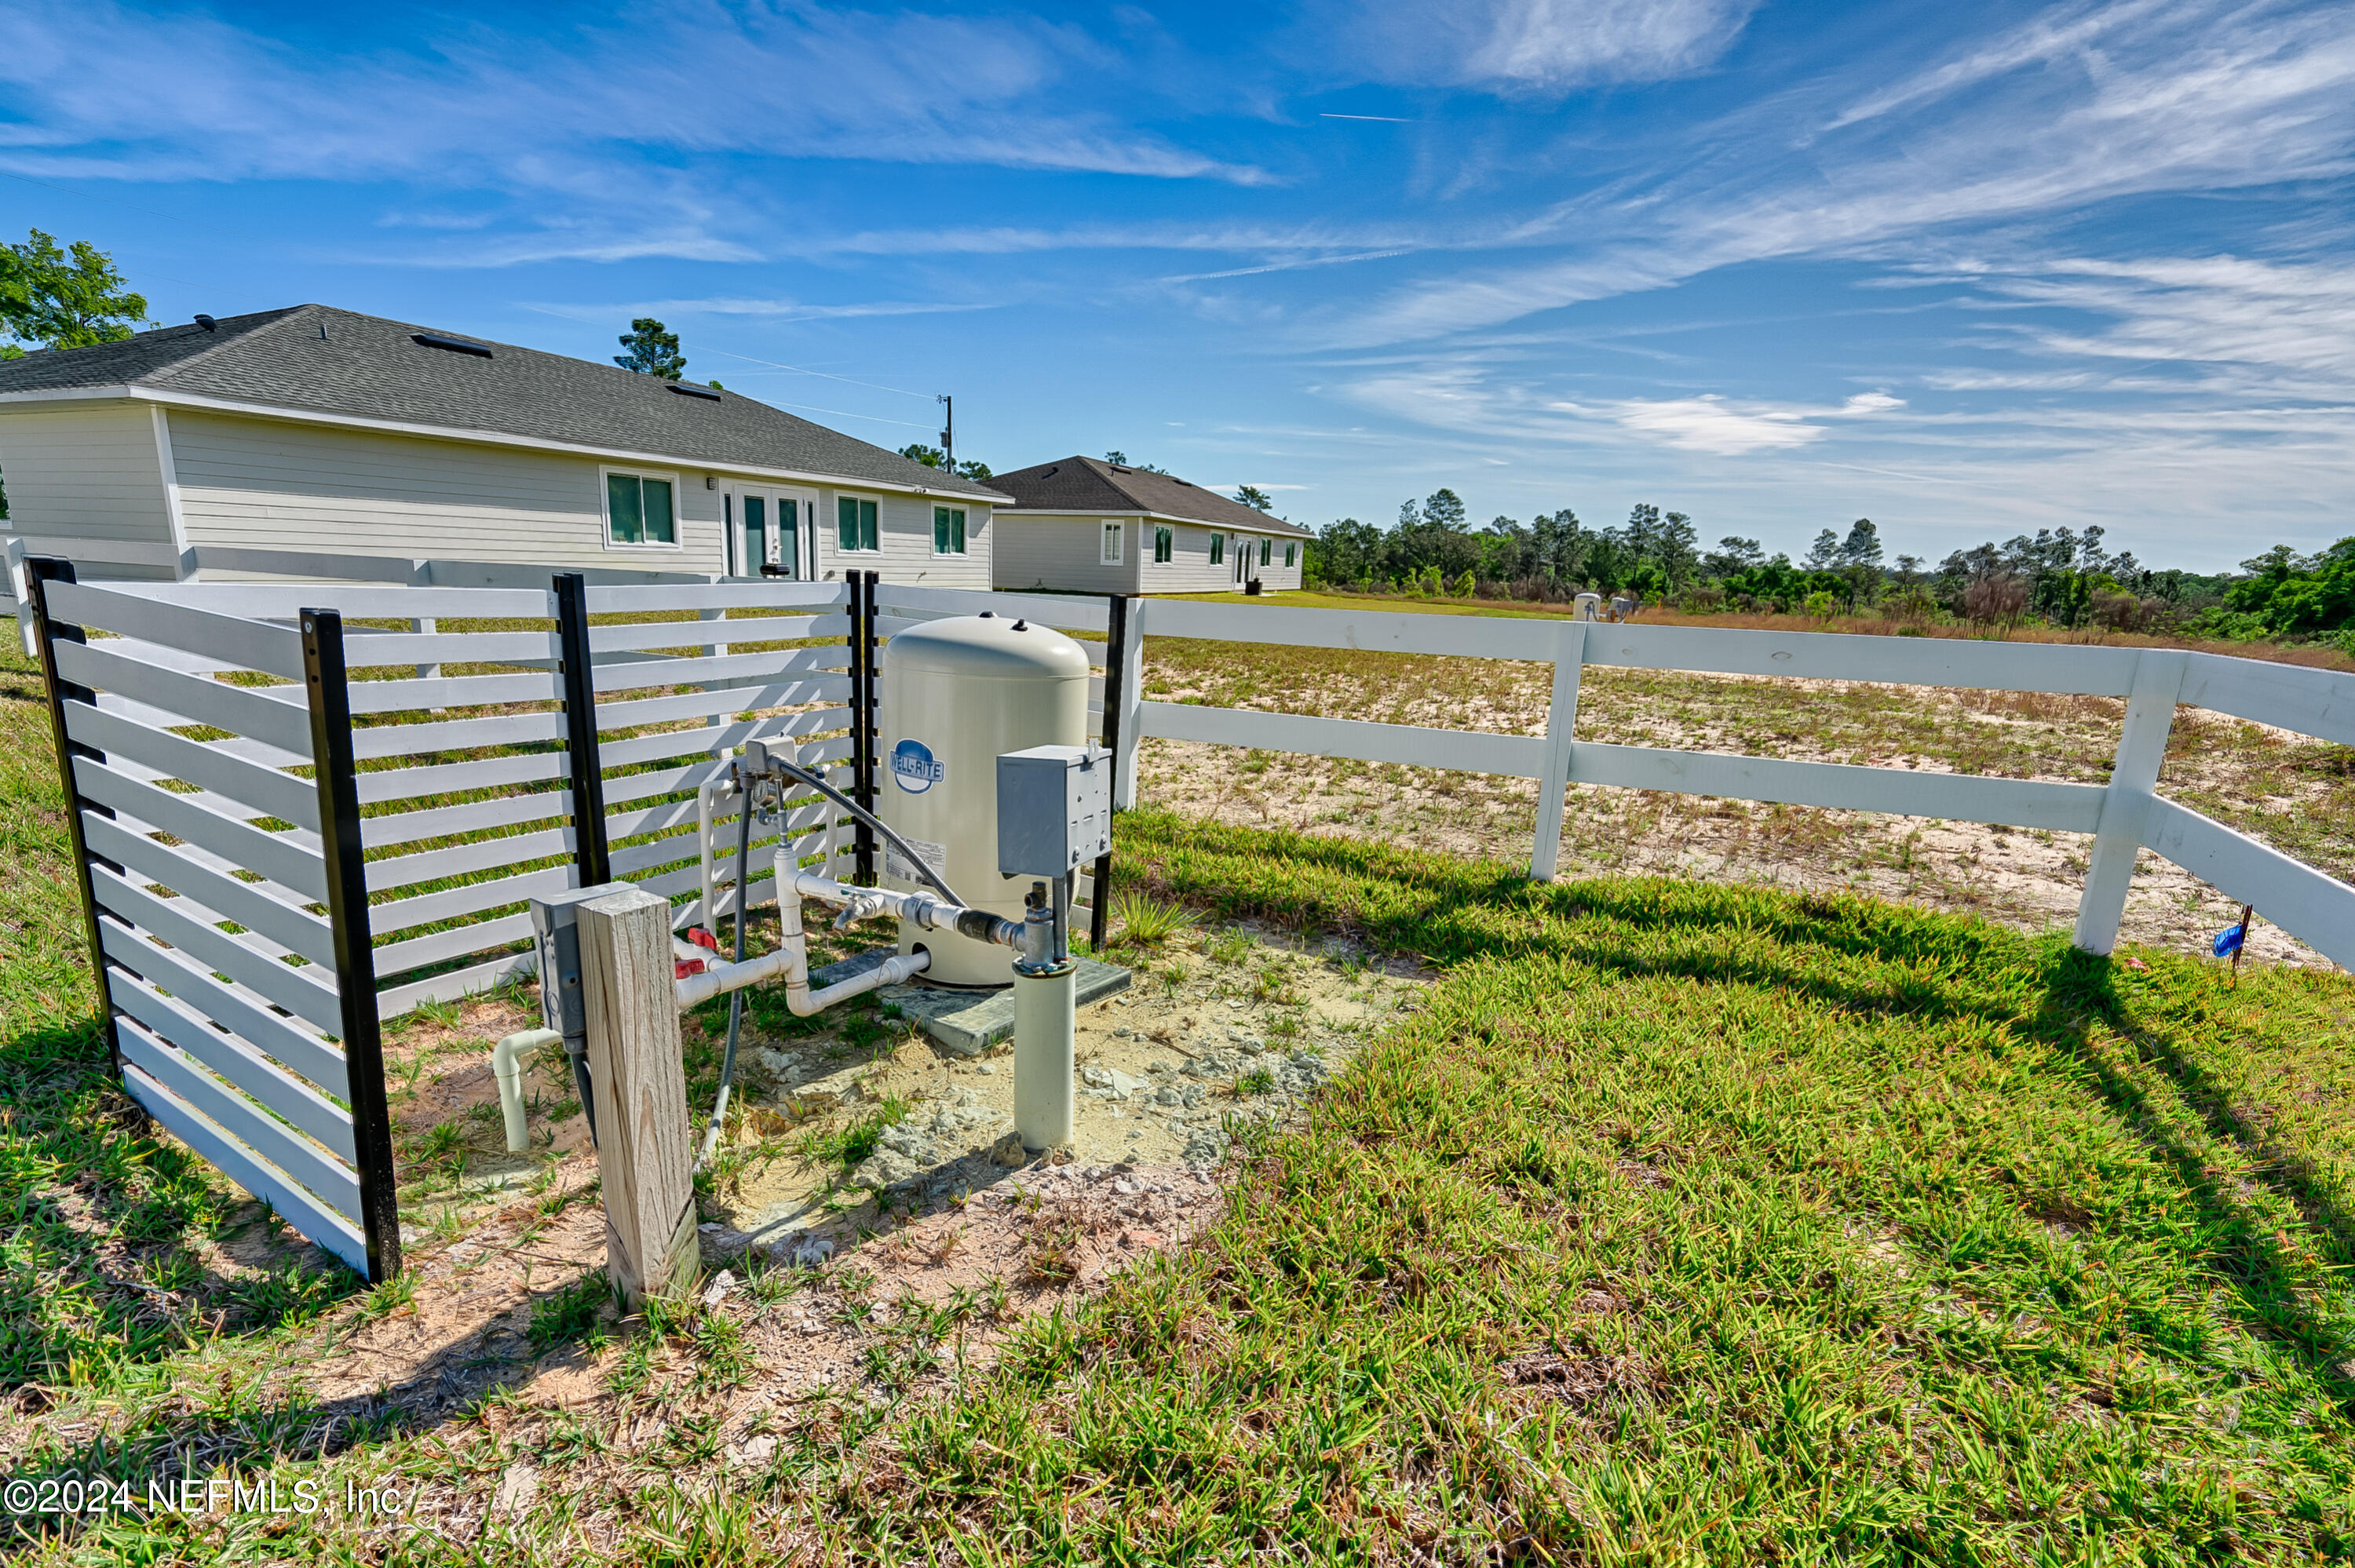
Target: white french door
<point>771,528</point>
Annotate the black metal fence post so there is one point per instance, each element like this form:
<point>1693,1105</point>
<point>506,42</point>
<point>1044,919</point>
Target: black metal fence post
<point>39,571</point>
<point>1116,675</point>
<point>593,861</point>
<point>862,714</point>
<point>347,906</point>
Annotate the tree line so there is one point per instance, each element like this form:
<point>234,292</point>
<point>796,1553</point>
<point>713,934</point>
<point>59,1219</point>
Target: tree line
<point>2060,576</point>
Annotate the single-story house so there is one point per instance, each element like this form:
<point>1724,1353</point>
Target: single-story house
<point>214,449</point>
<point>1091,527</point>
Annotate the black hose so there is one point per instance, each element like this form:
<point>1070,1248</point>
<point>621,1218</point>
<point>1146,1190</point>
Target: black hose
<point>736,997</point>
<point>869,817</point>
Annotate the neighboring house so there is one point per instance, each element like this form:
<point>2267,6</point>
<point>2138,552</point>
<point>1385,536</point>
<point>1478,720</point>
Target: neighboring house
<point>1098,527</point>
<point>213,448</point>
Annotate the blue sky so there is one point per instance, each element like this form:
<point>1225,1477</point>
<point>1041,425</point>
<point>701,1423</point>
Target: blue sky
<point>1967,271</point>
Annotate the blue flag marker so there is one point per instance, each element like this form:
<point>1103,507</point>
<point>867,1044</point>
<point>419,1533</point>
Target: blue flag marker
<point>2228,940</point>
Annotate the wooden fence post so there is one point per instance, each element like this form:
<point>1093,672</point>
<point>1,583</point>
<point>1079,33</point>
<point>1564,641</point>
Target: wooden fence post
<point>1561,723</point>
<point>643,1156</point>
<point>2125,808</point>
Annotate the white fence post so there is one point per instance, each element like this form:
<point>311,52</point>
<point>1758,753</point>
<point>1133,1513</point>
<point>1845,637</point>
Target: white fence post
<point>1562,721</point>
<point>1131,698</point>
<point>2126,807</point>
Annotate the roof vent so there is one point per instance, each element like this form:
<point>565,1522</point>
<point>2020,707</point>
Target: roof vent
<point>207,323</point>
<point>688,389</point>
<point>454,345</point>
<point>1050,473</point>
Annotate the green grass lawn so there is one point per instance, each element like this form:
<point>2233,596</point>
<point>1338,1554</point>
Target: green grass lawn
<point>1683,1224</point>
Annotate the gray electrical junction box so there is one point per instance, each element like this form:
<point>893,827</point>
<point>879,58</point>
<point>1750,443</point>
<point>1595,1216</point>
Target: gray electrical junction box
<point>1054,808</point>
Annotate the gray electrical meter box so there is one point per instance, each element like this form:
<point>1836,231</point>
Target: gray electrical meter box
<point>1054,808</point>
<point>555,926</point>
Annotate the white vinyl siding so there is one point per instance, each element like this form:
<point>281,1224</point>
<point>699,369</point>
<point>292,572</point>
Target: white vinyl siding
<point>88,473</point>
<point>273,484</point>
<point>904,538</point>
<point>1068,551</point>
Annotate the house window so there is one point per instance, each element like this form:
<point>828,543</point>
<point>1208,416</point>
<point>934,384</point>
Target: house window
<point>1162,543</point>
<point>948,530</point>
<point>638,510</point>
<point>1290,554</point>
<point>855,525</point>
<point>1218,548</point>
<point>1114,535</point>
<point>1267,551</point>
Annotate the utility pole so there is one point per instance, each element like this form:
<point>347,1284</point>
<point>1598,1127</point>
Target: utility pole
<point>948,431</point>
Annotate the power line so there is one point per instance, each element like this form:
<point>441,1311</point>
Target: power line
<point>800,370</point>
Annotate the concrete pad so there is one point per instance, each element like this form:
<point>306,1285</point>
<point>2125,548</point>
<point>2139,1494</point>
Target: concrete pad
<point>968,1023</point>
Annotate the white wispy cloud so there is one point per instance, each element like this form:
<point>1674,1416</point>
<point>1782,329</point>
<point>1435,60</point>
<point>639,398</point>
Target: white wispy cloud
<point>188,96</point>
<point>2211,97</point>
<point>1524,45</point>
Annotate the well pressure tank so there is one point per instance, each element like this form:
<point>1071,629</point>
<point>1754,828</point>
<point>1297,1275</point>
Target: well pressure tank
<point>956,694</point>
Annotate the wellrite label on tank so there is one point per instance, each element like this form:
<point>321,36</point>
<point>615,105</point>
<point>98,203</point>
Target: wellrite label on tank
<point>896,864</point>
<point>914,769</point>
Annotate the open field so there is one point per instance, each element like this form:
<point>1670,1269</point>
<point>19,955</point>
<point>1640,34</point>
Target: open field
<point>2296,793</point>
<point>2326,656</point>
<point>1649,1220</point>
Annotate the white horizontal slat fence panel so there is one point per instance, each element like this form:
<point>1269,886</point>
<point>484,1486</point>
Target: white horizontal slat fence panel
<point>477,816</point>
<point>458,860</point>
<point>2312,905</point>
<point>266,791</point>
<point>1468,751</point>
<point>191,1078</point>
<point>648,634</point>
<point>246,645</point>
<point>172,997</point>
<point>373,742</point>
<point>455,985</point>
<point>192,929</point>
<point>680,707</point>
<point>454,778</point>
<point>426,908</point>
<point>730,668</point>
<point>306,1214</point>
<point>368,648</point>
<point>296,928</point>
<point>2319,703</point>
<point>452,691</point>
<point>240,710</point>
<point>1082,612</point>
<point>285,601</point>
<point>281,857</point>
<point>398,958</point>
<point>652,599</point>
<point>1957,797</point>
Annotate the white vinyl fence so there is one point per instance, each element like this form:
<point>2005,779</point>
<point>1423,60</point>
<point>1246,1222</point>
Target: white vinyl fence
<point>2125,816</point>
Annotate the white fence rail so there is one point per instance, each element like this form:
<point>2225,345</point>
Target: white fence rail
<point>2125,816</point>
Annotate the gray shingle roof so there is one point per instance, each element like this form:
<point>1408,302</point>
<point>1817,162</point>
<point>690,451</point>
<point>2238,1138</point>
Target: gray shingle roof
<point>1087,484</point>
<point>314,358</point>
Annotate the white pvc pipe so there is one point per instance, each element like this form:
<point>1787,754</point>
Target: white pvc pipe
<point>506,1067</point>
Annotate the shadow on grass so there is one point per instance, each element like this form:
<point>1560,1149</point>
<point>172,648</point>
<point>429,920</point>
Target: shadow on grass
<point>105,1263</point>
<point>1451,913</point>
